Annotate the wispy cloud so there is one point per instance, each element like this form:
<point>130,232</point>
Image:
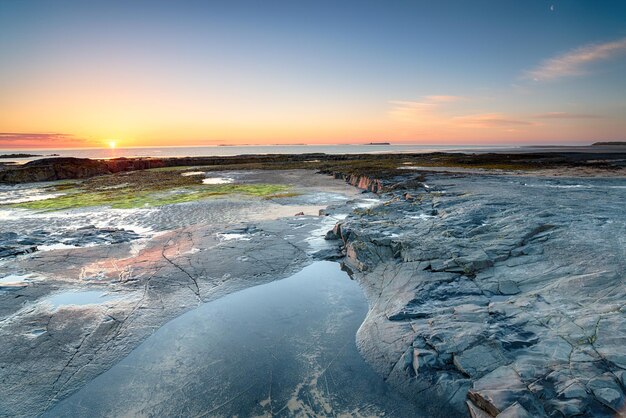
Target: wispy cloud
<point>407,110</point>
<point>424,108</point>
<point>566,115</point>
<point>437,111</point>
<point>444,99</point>
<point>37,139</point>
<point>574,62</point>
<point>490,120</point>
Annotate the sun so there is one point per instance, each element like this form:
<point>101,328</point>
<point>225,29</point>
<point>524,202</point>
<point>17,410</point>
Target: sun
<point>112,144</point>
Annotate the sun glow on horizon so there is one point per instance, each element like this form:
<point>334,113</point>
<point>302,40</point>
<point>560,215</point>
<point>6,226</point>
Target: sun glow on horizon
<point>222,79</point>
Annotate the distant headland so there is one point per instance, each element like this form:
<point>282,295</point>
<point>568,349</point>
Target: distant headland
<point>609,143</point>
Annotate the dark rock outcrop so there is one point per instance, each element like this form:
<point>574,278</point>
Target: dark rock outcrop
<point>49,169</point>
<point>12,244</point>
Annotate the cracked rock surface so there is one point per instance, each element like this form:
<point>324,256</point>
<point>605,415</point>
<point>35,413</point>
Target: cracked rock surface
<point>496,296</point>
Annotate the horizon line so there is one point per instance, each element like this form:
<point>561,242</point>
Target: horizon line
<point>373,144</point>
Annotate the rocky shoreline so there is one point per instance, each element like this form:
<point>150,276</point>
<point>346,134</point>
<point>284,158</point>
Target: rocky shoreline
<point>122,284</point>
<point>494,296</point>
<point>492,292</point>
<point>371,165</point>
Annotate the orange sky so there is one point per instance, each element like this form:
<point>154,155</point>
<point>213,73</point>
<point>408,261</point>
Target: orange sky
<point>212,74</point>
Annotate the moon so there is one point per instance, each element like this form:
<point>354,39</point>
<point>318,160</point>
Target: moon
<point>552,7</point>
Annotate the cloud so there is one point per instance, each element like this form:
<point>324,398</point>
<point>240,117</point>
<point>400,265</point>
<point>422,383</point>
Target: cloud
<point>37,139</point>
<point>573,63</point>
<point>490,120</point>
<point>444,99</point>
<point>411,110</point>
<point>566,115</point>
<point>435,111</point>
<point>427,107</point>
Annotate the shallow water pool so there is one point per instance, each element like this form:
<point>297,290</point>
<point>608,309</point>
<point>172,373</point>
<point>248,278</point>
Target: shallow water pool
<point>76,298</point>
<point>286,348</point>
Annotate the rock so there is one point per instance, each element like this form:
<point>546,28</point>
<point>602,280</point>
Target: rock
<point>508,287</point>
<point>330,254</point>
<point>49,169</point>
<point>607,390</point>
<point>423,358</point>
<point>569,407</point>
<point>575,390</point>
<point>331,235</point>
<point>474,262</point>
<point>14,250</point>
<point>12,245</point>
<point>609,396</point>
<point>476,412</point>
<point>515,411</point>
<point>527,305</point>
<point>497,390</point>
<point>478,360</point>
<point>8,236</point>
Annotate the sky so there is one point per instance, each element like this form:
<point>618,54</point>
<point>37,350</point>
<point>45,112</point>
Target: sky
<point>173,73</point>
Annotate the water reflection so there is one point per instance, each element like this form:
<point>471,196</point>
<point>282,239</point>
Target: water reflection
<point>87,297</point>
<point>286,348</point>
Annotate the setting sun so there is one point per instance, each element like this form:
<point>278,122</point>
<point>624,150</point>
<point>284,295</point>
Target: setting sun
<point>112,144</point>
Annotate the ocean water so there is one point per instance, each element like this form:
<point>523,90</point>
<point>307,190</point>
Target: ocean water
<point>239,150</point>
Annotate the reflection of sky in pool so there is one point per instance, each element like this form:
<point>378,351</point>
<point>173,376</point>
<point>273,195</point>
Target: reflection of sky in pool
<point>286,348</point>
<point>87,297</point>
<point>217,180</point>
<point>13,279</point>
<point>17,280</point>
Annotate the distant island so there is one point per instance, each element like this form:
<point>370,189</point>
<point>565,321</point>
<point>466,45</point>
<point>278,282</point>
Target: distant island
<point>379,143</point>
<point>23,155</point>
<point>19,155</point>
<point>609,143</point>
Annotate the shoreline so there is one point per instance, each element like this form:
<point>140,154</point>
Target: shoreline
<point>69,168</point>
<point>382,247</point>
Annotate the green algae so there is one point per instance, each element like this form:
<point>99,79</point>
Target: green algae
<point>130,198</point>
<point>145,188</point>
<point>281,195</point>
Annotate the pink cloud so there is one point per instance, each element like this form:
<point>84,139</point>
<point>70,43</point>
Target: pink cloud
<point>428,107</point>
<point>412,110</point>
<point>566,115</point>
<point>444,98</point>
<point>490,120</point>
<point>17,139</point>
<point>573,63</point>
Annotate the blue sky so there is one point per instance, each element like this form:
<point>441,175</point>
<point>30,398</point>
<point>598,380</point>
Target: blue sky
<point>150,73</point>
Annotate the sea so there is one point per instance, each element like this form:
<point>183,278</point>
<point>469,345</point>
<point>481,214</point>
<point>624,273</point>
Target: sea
<point>106,153</point>
<point>229,150</point>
